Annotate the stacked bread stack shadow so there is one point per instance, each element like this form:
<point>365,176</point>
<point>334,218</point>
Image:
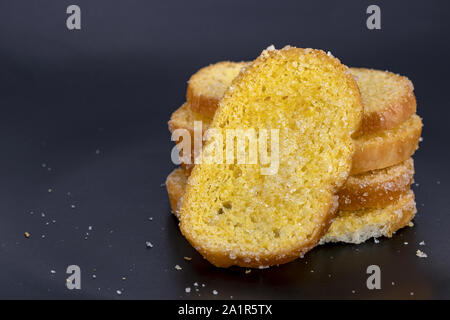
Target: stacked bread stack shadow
<point>375,200</point>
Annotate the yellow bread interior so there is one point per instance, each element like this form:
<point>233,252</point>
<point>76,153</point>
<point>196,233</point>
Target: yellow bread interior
<point>351,226</point>
<point>372,189</point>
<point>372,151</point>
<point>232,213</point>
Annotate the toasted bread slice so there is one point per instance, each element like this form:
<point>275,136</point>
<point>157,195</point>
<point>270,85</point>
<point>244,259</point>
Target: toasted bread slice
<point>372,151</point>
<point>387,148</point>
<point>208,85</point>
<point>352,226</point>
<point>358,226</point>
<point>238,214</point>
<point>388,98</point>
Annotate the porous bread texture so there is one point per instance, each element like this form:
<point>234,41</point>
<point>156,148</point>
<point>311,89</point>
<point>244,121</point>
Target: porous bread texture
<point>388,99</point>
<point>358,226</point>
<point>377,188</point>
<point>208,85</point>
<point>351,226</point>
<point>234,215</point>
<point>373,189</point>
<point>372,151</point>
<point>387,148</point>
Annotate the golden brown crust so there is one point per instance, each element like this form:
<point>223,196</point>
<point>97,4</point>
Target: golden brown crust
<point>387,148</point>
<point>176,186</point>
<point>388,98</point>
<point>218,255</point>
<point>394,114</point>
<point>203,97</point>
<point>377,188</point>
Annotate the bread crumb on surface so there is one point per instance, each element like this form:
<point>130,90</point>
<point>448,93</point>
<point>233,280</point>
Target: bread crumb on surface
<point>421,254</point>
<point>177,267</point>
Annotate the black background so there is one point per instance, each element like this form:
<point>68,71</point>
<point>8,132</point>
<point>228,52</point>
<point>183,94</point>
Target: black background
<point>93,106</point>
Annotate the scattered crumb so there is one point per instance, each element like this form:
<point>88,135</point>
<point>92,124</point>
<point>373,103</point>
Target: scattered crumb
<point>124,278</point>
<point>376,240</point>
<point>248,271</point>
<point>177,267</point>
<point>119,292</point>
<point>195,284</point>
<point>50,190</point>
<point>405,243</point>
<point>421,254</point>
<point>422,243</point>
<point>72,206</point>
<point>94,276</point>
<point>187,258</point>
<point>393,283</point>
<point>52,271</point>
<point>148,245</point>
<point>151,218</point>
<point>215,292</point>
<point>27,235</point>
<point>188,290</point>
<point>410,224</point>
<point>411,293</point>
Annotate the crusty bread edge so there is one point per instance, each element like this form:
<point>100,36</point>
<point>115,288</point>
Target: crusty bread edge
<point>399,219</point>
<point>372,156</point>
<point>354,195</point>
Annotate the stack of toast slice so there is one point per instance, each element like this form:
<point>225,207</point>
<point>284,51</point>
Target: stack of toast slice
<point>373,200</point>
